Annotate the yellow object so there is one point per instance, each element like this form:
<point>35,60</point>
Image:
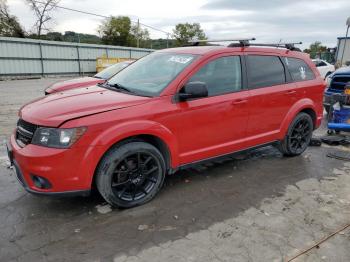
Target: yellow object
<point>347,91</point>
<point>104,62</point>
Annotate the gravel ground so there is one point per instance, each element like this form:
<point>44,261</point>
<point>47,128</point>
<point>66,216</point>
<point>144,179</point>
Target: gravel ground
<point>258,206</point>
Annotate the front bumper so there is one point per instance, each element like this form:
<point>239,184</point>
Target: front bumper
<point>50,164</point>
<point>327,96</point>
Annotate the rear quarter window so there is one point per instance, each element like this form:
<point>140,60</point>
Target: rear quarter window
<point>298,69</point>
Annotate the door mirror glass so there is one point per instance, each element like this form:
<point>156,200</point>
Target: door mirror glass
<point>193,90</point>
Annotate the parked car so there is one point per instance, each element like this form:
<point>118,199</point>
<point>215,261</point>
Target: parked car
<point>99,78</point>
<point>171,109</point>
<point>324,67</point>
<point>336,83</point>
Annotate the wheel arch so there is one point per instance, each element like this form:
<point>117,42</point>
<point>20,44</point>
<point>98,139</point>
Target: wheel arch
<point>311,113</point>
<point>146,131</point>
<point>306,106</point>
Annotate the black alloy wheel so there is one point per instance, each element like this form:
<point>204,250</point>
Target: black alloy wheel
<point>299,135</point>
<point>131,174</point>
<point>135,176</point>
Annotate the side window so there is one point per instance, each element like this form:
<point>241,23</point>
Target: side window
<point>222,75</point>
<point>321,63</point>
<point>265,71</point>
<point>317,63</point>
<point>299,70</point>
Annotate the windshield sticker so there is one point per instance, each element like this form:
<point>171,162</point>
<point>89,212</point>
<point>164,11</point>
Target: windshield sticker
<point>180,59</point>
<point>302,72</point>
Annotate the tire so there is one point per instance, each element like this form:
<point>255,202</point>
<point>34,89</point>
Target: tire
<point>125,178</point>
<point>328,73</point>
<point>327,108</point>
<point>298,136</point>
<point>330,132</point>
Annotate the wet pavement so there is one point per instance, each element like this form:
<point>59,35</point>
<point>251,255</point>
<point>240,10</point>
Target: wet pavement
<point>258,206</point>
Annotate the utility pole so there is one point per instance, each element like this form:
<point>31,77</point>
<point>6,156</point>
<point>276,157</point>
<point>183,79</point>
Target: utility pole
<point>346,38</point>
<point>138,33</point>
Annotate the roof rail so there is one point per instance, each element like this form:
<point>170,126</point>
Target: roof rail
<point>242,41</point>
<point>289,46</point>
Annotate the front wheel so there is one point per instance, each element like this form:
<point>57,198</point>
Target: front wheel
<point>298,136</point>
<point>131,174</point>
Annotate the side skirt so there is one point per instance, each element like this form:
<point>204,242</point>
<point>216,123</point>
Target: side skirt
<point>203,161</point>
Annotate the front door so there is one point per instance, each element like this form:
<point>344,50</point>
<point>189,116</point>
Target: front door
<point>214,125</point>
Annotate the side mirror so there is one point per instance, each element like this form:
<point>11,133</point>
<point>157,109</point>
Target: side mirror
<point>193,90</point>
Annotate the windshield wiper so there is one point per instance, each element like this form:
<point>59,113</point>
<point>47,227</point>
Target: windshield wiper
<point>120,87</point>
<point>101,84</point>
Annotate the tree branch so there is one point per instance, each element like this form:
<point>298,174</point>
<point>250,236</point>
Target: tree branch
<point>42,12</point>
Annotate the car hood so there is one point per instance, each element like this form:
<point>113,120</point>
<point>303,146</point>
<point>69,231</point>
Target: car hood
<point>57,108</point>
<point>342,71</point>
<point>73,83</point>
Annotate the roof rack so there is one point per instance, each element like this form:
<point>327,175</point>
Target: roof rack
<point>289,46</point>
<point>241,41</point>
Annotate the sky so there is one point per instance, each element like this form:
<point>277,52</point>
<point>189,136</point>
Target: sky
<point>267,21</point>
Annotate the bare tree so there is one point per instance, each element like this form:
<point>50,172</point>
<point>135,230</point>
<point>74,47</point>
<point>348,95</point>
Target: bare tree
<point>42,10</point>
<point>9,25</point>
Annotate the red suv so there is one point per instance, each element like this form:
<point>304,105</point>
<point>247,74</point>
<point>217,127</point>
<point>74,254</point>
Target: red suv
<point>167,111</point>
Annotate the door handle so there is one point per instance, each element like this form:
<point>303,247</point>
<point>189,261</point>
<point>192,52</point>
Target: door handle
<point>239,101</point>
<point>291,92</point>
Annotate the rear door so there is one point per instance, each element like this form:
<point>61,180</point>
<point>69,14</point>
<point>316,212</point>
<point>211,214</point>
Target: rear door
<point>271,95</point>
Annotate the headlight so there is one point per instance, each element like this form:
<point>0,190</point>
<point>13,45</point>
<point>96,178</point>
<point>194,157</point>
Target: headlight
<point>57,137</point>
<point>329,80</point>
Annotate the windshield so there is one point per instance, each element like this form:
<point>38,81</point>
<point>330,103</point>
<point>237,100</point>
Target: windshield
<point>111,70</point>
<point>152,73</point>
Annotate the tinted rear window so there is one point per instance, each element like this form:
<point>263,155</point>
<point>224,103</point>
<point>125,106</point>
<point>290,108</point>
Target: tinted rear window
<point>265,71</point>
<point>299,70</point>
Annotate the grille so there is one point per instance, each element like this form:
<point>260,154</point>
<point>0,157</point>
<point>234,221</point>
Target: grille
<point>339,82</point>
<point>25,132</point>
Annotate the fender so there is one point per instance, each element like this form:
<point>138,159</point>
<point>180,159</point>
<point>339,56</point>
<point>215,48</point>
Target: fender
<point>124,130</point>
<point>299,106</point>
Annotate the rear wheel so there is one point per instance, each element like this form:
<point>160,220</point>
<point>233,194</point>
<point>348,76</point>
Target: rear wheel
<point>299,135</point>
<point>131,174</point>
